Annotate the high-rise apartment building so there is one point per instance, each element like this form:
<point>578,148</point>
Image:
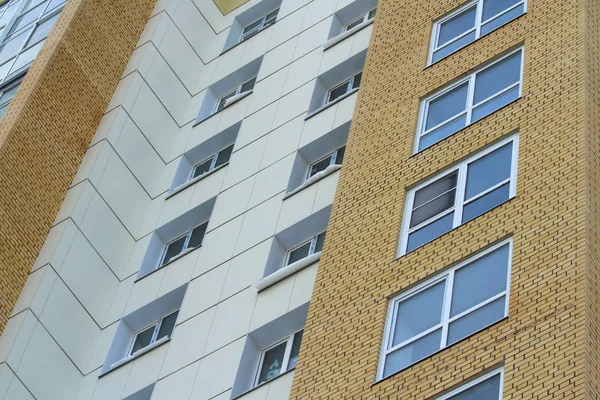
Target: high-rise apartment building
<point>299,199</point>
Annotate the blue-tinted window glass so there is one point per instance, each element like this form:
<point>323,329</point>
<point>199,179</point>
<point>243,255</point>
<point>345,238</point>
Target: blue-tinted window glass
<point>494,7</point>
<point>452,47</point>
<point>446,106</point>
<point>412,353</point>
<point>495,104</point>
<point>497,77</point>
<point>502,20</point>
<point>489,170</point>
<point>456,26</point>
<point>485,203</point>
<point>488,389</point>
<point>429,232</point>
<point>442,132</point>
<point>476,321</point>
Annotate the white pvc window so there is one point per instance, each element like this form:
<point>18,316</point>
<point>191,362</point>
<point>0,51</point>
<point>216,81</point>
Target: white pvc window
<point>183,244</point>
<point>216,160</point>
<point>308,248</point>
<point>278,358</point>
<point>470,99</point>
<point>24,34</point>
<point>460,194</point>
<point>467,24</point>
<point>7,93</point>
<point>334,158</point>
<point>343,88</point>
<point>258,25</point>
<point>361,20</point>
<point>152,333</point>
<point>243,88</point>
<point>446,309</point>
<point>488,387</point>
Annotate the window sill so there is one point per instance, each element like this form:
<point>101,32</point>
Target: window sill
<point>335,40</point>
<point>227,104</point>
<point>246,41</point>
<point>326,106</point>
<point>172,260</point>
<point>314,179</point>
<point>286,271</point>
<point>239,396</point>
<point>189,183</point>
<point>135,355</point>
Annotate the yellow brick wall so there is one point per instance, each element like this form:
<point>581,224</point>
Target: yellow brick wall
<point>548,343</point>
<point>51,121</point>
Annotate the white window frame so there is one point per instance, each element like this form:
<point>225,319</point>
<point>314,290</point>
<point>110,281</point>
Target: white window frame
<point>157,324</point>
<point>478,4</point>
<point>236,91</point>
<point>470,80</point>
<point>349,87</point>
<point>363,18</point>
<point>311,250</point>
<point>286,357</point>
<point>445,320</point>
<point>260,27</point>
<point>475,382</point>
<point>212,164</point>
<point>460,200</point>
<point>333,155</point>
<point>184,250</point>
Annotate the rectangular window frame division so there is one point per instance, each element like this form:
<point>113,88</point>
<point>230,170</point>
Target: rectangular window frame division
<point>446,276</point>
<point>311,251</point>
<point>264,23</point>
<point>475,382</point>
<point>349,88</point>
<point>459,200</point>
<point>289,340</point>
<point>213,163</point>
<point>478,24</point>
<point>235,92</point>
<point>334,155</point>
<point>470,81</point>
<point>363,18</point>
<point>185,249</point>
<point>157,324</point>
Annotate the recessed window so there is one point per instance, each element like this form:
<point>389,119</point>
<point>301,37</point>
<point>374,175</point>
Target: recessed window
<point>308,248</point>
<point>488,387</point>
<point>446,309</point>
<point>243,88</point>
<point>259,25</point>
<point>183,244</point>
<point>455,197</point>
<point>334,158</point>
<point>6,95</point>
<point>153,333</point>
<point>343,88</point>
<point>360,20</point>
<point>469,23</point>
<point>470,99</point>
<point>279,358</point>
<point>218,159</point>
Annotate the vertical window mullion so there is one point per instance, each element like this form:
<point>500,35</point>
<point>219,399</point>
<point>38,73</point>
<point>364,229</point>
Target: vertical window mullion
<point>313,245</point>
<point>478,19</point>
<point>213,162</point>
<point>286,355</point>
<point>156,329</point>
<point>446,308</point>
<point>187,241</point>
<point>470,97</point>
<point>460,194</point>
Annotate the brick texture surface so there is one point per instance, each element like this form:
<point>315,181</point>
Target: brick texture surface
<point>51,121</point>
<point>549,342</point>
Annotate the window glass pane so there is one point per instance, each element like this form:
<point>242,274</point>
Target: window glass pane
<point>418,313</point>
<point>272,15</point>
<point>442,132</point>
<point>8,14</point>
<point>27,18</point>
<point>339,158</point>
<point>338,91</point>
<point>480,280</point>
<point>295,350</point>
<point>9,93</point>
<point>26,57</point>
<point>202,168</point>
<point>320,242</point>
<point>3,110</point>
<point>456,26</point>
<point>43,29</point>
<point>355,23</point>
<point>53,5</point>
<point>143,339</point>
<point>452,47</point>
<point>252,26</point>
<point>446,106</point>
<point>356,82</point>
<point>476,321</point>
<point>12,47</point>
<point>223,100</point>
<point>488,389</point>
<point>412,353</point>
<point>495,103</point>
<point>485,203</point>
<point>488,171</point>
<point>298,254</point>
<point>197,236</point>
<point>497,77</point>
<point>430,232</point>
<point>272,363</point>
<point>434,198</point>
<point>493,7</point>
<point>372,13</point>
<point>503,19</point>
<point>320,166</point>
<point>224,156</point>
<point>173,249</point>
<point>248,85</point>
<point>167,325</point>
